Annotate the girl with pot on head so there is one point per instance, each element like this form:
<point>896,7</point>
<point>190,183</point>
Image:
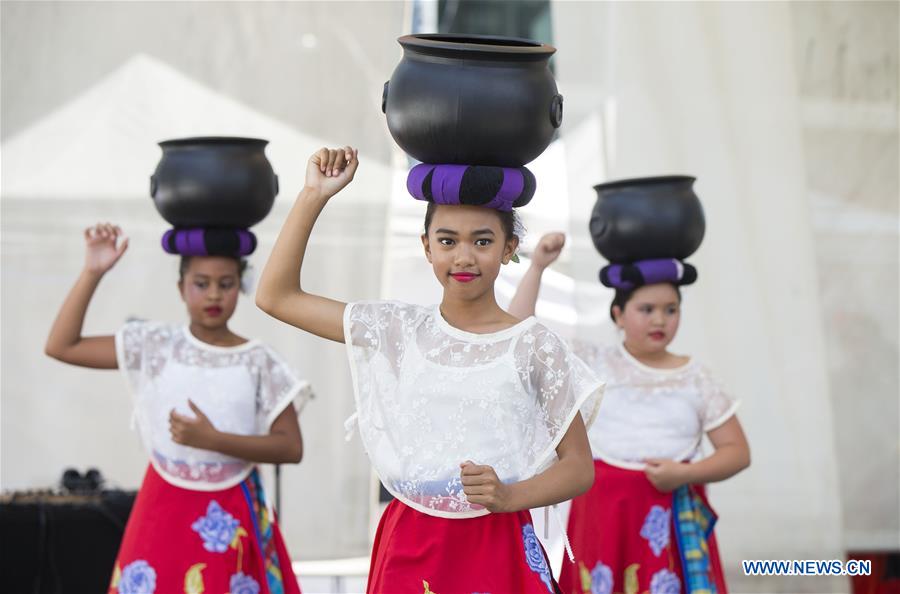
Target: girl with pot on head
<point>645,524</point>
<point>209,405</point>
<point>469,415</point>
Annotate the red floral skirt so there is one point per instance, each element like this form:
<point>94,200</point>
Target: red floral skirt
<point>415,553</point>
<point>624,541</point>
<point>179,540</point>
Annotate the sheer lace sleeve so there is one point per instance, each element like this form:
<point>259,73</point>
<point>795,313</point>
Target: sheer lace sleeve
<point>562,384</point>
<point>379,328</point>
<point>376,335</point>
<point>142,349</point>
<point>595,357</point>
<point>588,352</point>
<point>277,388</point>
<point>718,406</point>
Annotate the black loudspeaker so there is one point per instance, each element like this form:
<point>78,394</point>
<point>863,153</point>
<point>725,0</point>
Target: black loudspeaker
<point>74,482</point>
<point>65,542</point>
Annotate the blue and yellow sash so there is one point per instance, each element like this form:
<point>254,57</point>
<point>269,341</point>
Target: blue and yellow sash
<point>694,522</point>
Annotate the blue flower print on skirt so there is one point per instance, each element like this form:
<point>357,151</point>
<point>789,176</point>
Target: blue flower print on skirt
<point>665,582</point>
<point>656,528</point>
<point>534,556</point>
<point>243,584</point>
<point>217,528</point>
<point>601,579</point>
<point>138,577</point>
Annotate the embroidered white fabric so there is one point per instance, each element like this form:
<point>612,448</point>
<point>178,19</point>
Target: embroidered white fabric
<point>650,412</point>
<point>242,389</point>
<point>430,396</point>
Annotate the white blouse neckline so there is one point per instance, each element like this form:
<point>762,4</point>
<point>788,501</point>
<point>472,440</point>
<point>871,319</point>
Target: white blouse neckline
<point>513,330</point>
<point>217,348</point>
<point>654,370</point>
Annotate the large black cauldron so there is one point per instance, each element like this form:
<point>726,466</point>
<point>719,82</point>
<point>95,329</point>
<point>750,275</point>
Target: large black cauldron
<point>214,182</point>
<point>472,99</point>
<point>644,218</point>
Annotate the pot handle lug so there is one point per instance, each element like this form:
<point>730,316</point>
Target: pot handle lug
<point>556,110</point>
<point>153,186</point>
<point>384,95</point>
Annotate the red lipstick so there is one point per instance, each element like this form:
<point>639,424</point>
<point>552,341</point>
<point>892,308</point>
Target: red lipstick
<point>464,277</point>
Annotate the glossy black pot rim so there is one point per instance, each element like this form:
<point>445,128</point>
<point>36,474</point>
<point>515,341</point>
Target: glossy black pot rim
<point>213,140</point>
<point>657,180</point>
<point>477,46</point>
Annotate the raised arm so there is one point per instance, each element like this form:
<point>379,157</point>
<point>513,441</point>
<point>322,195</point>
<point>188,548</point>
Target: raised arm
<point>65,341</point>
<point>280,293</point>
<point>547,251</point>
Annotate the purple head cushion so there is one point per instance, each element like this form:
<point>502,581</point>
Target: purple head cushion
<point>209,242</point>
<point>647,272</point>
<point>500,188</point>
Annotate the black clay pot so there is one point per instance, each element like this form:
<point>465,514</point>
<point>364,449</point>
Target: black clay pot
<point>472,99</point>
<point>644,218</point>
<point>214,182</point>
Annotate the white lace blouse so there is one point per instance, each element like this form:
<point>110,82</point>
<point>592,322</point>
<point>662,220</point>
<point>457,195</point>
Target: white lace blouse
<point>242,389</point>
<point>650,412</point>
<point>430,396</point>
